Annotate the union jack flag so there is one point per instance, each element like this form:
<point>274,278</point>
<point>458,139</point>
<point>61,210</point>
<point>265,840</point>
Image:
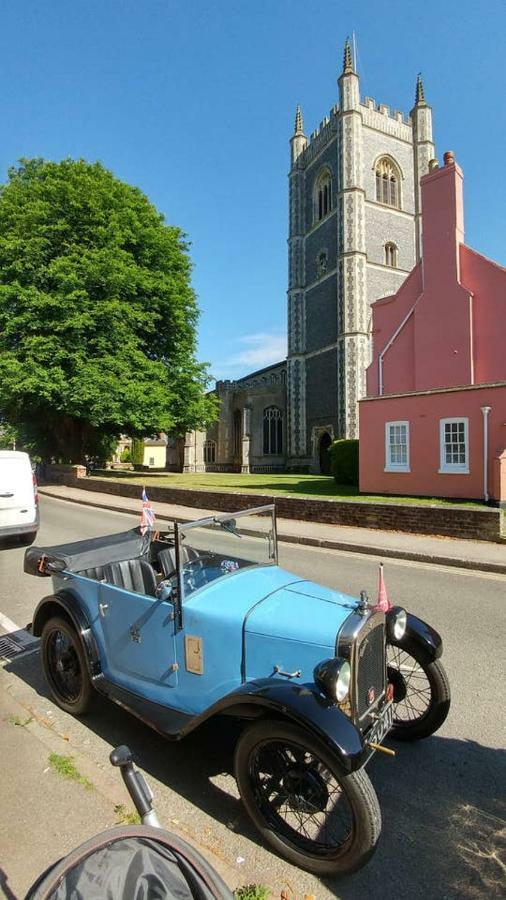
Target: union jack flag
<point>148,516</point>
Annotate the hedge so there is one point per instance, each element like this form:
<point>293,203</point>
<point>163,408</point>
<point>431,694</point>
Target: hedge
<point>344,461</point>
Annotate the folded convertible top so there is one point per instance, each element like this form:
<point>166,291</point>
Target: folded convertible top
<point>86,554</point>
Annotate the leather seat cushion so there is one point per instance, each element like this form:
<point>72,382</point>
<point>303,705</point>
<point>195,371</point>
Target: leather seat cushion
<point>133,575</point>
<point>95,572</point>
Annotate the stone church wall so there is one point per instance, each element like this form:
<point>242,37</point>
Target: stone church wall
<point>375,144</point>
<point>321,318</point>
<point>382,226</point>
<point>321,238</point>
<point>327,158</point>
<point>321,391</point>
<point>382,283</point>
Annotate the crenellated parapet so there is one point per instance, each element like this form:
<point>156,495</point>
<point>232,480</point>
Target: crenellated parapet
<point>390,121</point>
<point>320,137</point>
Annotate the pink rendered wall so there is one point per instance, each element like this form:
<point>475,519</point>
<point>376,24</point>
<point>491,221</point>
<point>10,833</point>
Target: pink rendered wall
<point>487,281</point>
<point>423,413</point>
<point>457,332</point>
<point>443,333</point>
<point>388,314</point>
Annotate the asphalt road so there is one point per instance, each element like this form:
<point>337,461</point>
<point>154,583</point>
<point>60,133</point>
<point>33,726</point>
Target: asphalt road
<point>442,799</point>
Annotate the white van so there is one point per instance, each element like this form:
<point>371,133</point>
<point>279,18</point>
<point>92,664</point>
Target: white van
<point>19,510</point>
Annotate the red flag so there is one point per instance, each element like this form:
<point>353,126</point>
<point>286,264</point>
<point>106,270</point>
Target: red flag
<point>382,603</point>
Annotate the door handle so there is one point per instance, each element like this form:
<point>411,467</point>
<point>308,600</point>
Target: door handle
<point>6,495</point>
<point>102,608</point>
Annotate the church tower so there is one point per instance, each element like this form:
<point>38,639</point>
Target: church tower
<point>354,236</point>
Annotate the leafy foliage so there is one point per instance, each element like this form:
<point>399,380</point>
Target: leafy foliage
<point>252,892</point>
<point>97,314</point>
<point>344,461</point>
<point>9,437</point>
<point>137,454</point>
<point>126,455</point>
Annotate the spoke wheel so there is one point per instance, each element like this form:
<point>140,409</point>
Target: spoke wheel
<point>421,692</point>
<point>304,805</point>
<point>65,667</point>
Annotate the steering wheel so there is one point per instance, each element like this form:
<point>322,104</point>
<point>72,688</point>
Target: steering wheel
<point>193,571</point>
<point>199,561</point>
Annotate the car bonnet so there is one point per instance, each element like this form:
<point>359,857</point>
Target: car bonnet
<point>301,611</point>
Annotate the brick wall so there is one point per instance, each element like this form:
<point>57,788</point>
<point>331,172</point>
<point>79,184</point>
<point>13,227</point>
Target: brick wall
<point>450,521</point>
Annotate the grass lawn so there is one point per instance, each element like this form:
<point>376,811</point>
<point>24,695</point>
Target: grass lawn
<point>298,485</point>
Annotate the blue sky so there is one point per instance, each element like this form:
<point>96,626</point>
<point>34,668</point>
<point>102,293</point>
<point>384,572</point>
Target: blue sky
<point>194,102</point>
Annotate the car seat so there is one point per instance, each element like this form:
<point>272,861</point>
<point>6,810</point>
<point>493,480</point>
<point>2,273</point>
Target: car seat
<point>133,575</point>
<point>167,559</point>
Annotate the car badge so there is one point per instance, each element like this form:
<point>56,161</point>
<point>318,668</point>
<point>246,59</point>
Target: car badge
<point>371,695</point>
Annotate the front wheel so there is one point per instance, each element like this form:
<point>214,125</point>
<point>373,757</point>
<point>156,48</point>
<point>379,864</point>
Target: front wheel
<point>421,692</point>
<point>304,806</point>
<point>64,665</point>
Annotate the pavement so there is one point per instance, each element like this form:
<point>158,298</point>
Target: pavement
<point>480,556</point>
<point>441,799</point>
<point>50,814</point>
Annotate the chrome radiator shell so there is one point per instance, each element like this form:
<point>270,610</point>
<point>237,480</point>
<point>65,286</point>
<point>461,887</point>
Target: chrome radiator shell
<point>362,641</point>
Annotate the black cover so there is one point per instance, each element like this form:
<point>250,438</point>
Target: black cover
<point>90,553</point>
<point>131,863</point>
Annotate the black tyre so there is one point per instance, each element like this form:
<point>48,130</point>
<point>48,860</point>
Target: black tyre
<point>304,806</point>
<point>421,692</point>
<point>64,665</point>
<point>26,540</point>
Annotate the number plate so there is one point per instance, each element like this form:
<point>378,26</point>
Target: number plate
<point>382,726</point>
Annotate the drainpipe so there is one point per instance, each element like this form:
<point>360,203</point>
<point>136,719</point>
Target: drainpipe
<point>485,410</point>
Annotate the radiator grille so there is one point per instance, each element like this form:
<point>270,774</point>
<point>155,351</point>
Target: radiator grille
<point>370,668</point>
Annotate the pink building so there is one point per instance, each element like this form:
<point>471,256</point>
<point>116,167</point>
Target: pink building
<point>434,419</point>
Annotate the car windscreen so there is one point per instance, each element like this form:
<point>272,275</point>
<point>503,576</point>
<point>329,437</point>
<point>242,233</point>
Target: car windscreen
<point>221,546</point>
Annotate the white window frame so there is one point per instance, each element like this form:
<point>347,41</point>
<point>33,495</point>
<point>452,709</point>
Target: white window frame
<point>446,468</point>
<point>389,465</point>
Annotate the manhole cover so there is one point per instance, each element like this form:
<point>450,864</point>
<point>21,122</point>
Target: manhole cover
<point>10,648</point>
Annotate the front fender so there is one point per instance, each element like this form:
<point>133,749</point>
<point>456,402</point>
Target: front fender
<point>421,637</point>
<point>67,603</point>
<point>304,706</point>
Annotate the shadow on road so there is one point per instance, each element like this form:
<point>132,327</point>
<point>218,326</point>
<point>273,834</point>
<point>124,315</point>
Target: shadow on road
<point>444,829</point>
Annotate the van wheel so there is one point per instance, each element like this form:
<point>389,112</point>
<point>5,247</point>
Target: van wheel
<point>26,540</point>
<point>65,668</point>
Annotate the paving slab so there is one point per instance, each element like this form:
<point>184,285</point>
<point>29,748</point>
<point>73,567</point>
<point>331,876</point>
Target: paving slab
<point>478,555</point>
<point>43,816</point>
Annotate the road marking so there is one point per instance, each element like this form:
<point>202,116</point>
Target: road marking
<point>21,635</point>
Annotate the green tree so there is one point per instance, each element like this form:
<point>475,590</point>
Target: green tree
<point>97,315</point>
<point>137,451</point>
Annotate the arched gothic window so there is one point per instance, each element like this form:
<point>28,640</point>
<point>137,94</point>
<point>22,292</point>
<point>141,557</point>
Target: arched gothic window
<point>273,430</point>
<point>388,183</point>
<point>391,254</point>
<point>209,451</point>
<point>322,195</point>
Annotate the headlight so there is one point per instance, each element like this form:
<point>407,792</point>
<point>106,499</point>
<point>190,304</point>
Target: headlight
<point>333,677</point>
<point>396,623</point>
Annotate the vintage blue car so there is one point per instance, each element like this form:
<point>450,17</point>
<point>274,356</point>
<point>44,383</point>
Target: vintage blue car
<point>201,621</point>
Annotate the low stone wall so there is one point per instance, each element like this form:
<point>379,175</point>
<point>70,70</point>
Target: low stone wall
<point>64,474</point>
<point>458,521</point>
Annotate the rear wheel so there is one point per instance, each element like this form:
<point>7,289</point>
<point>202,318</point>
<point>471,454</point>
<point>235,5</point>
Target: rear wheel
<point>64,665</point>
<point>421,692</point>
<point>304,805</point>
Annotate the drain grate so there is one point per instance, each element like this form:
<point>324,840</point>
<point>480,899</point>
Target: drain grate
<point>10,648</point>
